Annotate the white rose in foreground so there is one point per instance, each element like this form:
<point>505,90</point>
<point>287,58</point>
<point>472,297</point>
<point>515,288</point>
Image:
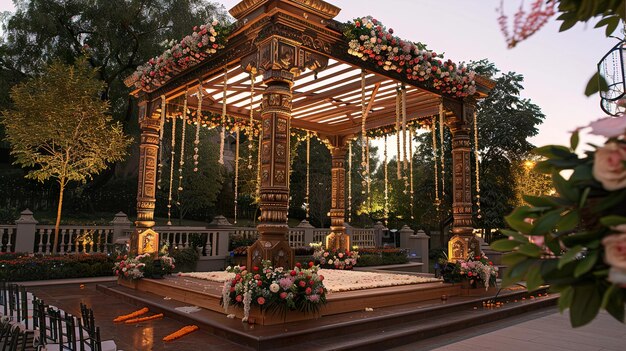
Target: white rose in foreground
<point>608,166</point>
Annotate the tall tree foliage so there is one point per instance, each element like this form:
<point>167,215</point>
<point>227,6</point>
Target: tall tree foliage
<point>116,36</point>
<point>505,122</point>
<point>61,129</point>
<point>41,31</point>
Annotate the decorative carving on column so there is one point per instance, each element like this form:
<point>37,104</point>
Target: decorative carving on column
<point>149,121</point>
<point>280,60</point>
<point>337,239</point>
<point>463,243</point>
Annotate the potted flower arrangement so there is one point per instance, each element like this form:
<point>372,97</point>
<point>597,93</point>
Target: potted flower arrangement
<point>130,269</point>
<point>575,240</point>
<point>334,259</point>
<point>478,270</point>
<point>274,290</point>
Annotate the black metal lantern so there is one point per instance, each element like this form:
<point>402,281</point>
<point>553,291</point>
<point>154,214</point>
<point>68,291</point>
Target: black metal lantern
<point>612,69</point>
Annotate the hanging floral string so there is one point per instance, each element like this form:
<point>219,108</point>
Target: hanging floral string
<point>350,181</point>
<point>364,157</point>
<point>251,126</point>
<point>223,133</point>
<point>411,133</point>
<point>404,159</point>
<point>160,168</point>
<point>434,134</point>
<point>386,208</point>
<point>398,102</point>
<point>173,152</point>
<point>442,153</point>
<point>308,173</point>
<point>196,142</point>
<point>182,148</point>
<point>258,168</point>
<point>477,169</point>
<point>236,171</point>
<point>368,179</point>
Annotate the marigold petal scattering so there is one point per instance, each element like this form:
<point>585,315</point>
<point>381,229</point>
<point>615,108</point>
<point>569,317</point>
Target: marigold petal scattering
<point>144,319</point>
<point>181,332</point>
<point>131,315</point>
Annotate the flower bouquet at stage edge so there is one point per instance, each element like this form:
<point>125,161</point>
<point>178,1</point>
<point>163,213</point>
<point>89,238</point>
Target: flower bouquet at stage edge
<point>575,240</point>
<point>276,290</point>
<point>475,271</point>
<point>140,266</point>
<point>334,259</point>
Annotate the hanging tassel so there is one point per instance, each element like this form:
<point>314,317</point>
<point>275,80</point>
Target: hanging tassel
<point>404,159</point>
<point>367,178</point>
<point>169,197</point>
<point>386,208</point>
<point>436,173</point>
<point>162,124</point>
<point>411,132</point>
<point>442,153</point>
<point>251,126</point>
<point>258,168</point>
<point>196,142</point>
<point>223,133</point>
<point>350,181</point>
<point>364,172</point>
<point>308,173</point>
<point>477,167</point>
<point>182,148</point>
<point>236,171</point>
<point>398,117</point>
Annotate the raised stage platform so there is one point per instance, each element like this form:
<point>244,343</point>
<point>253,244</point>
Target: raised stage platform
<point>207,294</point>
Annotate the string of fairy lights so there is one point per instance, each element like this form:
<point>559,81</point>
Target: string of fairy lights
<point>405,132</point>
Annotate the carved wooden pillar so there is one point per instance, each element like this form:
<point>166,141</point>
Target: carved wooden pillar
<point>272,244</point>
<point>143,239</point>
<point>463,243</point>
<point>337,239</point>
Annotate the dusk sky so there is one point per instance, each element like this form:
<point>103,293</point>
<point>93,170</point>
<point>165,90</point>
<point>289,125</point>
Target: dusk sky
<point>556,66</point>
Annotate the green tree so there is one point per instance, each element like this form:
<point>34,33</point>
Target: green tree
<point>195,193</point>
<point>61,129</point>
<point>505,122</point>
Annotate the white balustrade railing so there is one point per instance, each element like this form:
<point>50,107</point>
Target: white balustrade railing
<point>363,237</point>
<point>184,237</point>
<point>297,238</point>
<point>74,239</point>
<point>319,235</point>
<point>7,238</point>
<point>29,236</point>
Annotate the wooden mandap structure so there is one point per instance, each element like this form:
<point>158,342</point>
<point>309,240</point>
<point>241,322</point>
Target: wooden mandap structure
<point>312,77</point>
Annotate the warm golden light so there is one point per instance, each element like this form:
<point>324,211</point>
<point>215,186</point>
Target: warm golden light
<point>529,164</point>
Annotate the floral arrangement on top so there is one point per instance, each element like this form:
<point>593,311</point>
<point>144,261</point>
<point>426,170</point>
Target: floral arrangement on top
<point>274,289</point>
<point>140,266</point>
<point>370,40</point>
<point>475,270</point>
<point>205,40</point>
<point>575,241</point>
<point>334,259</point>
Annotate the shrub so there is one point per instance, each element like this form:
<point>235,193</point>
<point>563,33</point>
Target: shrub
<point>381,257</point>
<point>185,259</point>
<point>17,268</point>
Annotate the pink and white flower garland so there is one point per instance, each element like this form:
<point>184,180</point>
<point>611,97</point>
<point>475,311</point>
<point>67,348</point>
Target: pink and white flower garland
<point>205,40</point>
<point>373,42</point>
